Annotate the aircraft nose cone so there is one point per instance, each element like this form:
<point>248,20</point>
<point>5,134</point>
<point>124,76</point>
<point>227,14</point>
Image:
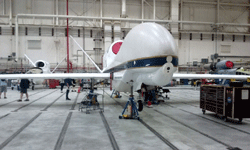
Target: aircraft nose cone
<point>148,40</point>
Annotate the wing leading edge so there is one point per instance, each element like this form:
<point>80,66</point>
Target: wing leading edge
<point>210,76</point>
<point>57,76</point>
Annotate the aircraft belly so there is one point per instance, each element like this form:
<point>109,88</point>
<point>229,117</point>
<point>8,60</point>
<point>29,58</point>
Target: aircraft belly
<point>38,81</point>
<point>121,86</point>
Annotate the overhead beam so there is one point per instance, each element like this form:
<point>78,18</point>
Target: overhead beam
<point>215,3</point>
<point>124,19</point>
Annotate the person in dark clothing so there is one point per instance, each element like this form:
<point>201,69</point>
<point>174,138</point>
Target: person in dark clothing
<point>62,85</point>
<point>24,84</point>
<point>68,83</point>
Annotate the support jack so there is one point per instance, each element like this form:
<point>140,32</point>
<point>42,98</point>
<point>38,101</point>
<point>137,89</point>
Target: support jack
<point>134,110</point>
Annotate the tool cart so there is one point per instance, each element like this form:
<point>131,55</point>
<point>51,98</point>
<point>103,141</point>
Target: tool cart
<point>228,102</point>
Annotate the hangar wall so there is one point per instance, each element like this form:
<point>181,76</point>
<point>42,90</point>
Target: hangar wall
<point>196,49</point>
<point>53,48</point>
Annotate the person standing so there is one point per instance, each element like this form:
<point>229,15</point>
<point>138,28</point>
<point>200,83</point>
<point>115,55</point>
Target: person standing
<point>68,83</point>
<point>24,85</point>
<point>3,87</point>
<point>62,85</point>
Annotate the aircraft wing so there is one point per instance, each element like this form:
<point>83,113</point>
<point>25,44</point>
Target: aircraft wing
<point>210,76</point>
<point>56,76</point>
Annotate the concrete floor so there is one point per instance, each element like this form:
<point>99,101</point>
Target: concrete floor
<point>48,121</point>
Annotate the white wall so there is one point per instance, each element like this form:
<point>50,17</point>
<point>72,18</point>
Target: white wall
<point>196,49</point>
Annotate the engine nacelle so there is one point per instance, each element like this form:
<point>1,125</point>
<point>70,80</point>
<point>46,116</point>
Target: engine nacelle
<point>45,66</point>
<point>224,64</point>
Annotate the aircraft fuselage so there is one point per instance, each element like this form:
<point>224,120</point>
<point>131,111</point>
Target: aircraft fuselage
<point>147,55</point>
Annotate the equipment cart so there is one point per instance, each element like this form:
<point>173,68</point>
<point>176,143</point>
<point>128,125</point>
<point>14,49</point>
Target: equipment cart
<point>228,102</point>
<point>90,101</point>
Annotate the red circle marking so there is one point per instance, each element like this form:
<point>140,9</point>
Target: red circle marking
<point>229,64</point>
<point>116,47</point>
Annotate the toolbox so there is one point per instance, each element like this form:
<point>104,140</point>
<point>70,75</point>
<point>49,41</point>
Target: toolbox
<point>228,102</point>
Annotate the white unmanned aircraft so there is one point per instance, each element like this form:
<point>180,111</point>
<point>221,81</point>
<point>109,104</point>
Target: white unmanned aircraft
<point>39,67</point>
<point>147,55</point>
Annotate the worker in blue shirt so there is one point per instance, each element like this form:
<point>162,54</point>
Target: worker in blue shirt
<point>68,83</point>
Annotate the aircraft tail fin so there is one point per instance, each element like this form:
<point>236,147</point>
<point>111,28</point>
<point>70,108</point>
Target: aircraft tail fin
<point>30,60</point>
<point>59,64</point>
<point>87,55</point>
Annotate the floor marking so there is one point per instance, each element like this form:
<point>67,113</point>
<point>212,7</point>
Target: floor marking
<point>4,116</point>
<point>45,109</point>
<point>32,101</point>
<point>17,99</point>
<point>74,104</point>
<point>110,134</point>
<point>63,132</point>
<point>18,131</point>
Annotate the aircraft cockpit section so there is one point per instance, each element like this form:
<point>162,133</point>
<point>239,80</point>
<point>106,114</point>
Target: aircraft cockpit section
<point>35,71</point>
<point>45,66</point>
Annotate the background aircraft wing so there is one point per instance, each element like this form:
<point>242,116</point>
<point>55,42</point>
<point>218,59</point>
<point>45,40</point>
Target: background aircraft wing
<point>210,76</point>
<point>56,76</point>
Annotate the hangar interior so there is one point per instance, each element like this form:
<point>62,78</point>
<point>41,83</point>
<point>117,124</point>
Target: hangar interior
<point>38,28</point>
<point>207,117</point>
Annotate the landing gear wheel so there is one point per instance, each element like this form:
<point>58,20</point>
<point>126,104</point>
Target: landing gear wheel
<point>120,117</point>
<point>140,105</point>
<point>203,111</point>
